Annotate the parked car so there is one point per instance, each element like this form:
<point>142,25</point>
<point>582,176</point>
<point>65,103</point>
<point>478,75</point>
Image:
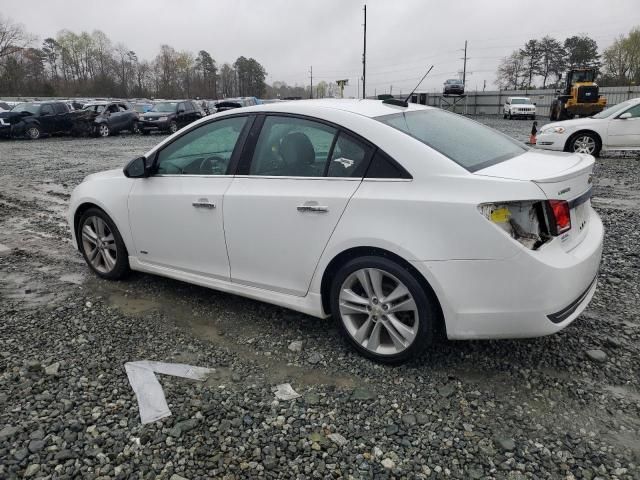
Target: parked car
<point>34,119</point>
<point>398,221</point>
<point>112,117</point>
<point>615,128</point>
<point>4,107</point>
<point>453,86</point>
<point>522,107</point>
<point>169,116</point>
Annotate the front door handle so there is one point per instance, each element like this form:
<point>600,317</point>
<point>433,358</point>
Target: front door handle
<point>204,203</point>
<point>313,208</point>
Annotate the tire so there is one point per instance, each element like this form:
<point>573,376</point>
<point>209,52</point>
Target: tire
<point>103,130</point>
<point>553,113</point>
<point>563,114</point>
<point>101,245</point>
<point>173,127</point>
<point>533,117</point>
<point>584,142</point>
<point>135,128</point>
<point>366,314</point>
<point>504,115</point>
<point>510,116</point>
<point>33,132</point>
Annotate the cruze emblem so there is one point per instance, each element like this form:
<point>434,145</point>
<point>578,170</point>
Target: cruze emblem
<point>564,190</point>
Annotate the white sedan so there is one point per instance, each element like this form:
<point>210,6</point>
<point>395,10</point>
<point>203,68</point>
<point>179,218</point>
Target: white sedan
<point>616,128</point>
<point>398,220</point>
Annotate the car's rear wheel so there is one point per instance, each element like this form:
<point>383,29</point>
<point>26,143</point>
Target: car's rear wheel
<point>383,311</point>
<point>585,143</point>
<point>101,245</point>
<point>33,132</point>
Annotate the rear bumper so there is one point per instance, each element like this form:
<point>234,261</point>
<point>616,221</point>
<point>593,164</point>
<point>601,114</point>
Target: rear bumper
<point>532,294</point>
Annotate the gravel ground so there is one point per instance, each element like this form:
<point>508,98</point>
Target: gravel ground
<point>565,406</point>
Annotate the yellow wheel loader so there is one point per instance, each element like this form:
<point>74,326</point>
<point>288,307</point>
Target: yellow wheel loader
<point>580,96</point>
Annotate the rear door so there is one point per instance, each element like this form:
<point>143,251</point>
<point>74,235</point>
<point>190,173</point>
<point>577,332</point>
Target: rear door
<point>47,118</point>
<point>625,132</point>
<point>286,200</point>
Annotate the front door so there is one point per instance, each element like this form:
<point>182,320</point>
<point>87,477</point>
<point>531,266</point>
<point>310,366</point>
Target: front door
<point>47,119</point>
<point>625,132</point>
<point>176,215</point>
<point>280,215</point>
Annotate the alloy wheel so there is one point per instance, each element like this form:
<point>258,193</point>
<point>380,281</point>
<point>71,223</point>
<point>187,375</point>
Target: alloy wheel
<point>584,144</point>
<point>99,244</point>
<point>33,133</point>
<point>173,127</point>
<point>103,130</point>
<point>378,311</point>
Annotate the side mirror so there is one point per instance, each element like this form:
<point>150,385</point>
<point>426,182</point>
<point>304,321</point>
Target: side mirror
<point>625,115</point>
<point>534,104</point>
<point>136,168</point>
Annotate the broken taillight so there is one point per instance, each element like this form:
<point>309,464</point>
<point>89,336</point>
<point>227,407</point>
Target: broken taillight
<point>523,221</point>
<point>561,215</point>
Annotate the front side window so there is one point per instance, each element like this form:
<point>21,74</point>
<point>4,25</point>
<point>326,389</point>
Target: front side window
<point>205,150</point>
<point>46,110</point>
<point>349,158</point>
<point>468,143</point>
<point>634,111</point>
<point>292,147</point>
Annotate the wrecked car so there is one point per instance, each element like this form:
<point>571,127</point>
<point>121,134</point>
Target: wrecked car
<point>35,119</point>
<point>112,117</point>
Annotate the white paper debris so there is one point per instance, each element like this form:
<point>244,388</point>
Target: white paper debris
<point>285,391</point>
<point>151,400</point>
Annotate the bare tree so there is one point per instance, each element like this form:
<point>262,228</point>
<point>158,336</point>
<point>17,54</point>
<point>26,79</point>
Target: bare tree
<point>510,71</point>
<point>13,38</point>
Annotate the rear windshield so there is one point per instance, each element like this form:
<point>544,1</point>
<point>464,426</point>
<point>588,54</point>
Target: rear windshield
<point>468,143</point>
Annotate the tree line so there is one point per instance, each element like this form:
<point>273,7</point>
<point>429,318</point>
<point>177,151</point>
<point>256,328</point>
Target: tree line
<point>90,64</point>
<point>541,63</point>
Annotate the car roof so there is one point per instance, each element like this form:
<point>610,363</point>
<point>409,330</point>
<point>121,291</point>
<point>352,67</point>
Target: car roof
<point>366,108</point>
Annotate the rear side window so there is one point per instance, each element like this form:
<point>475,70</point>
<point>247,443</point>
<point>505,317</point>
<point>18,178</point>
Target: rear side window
<point>383,166</point>
<point>468,143</point>
<point>60,108</point>
<point>349,157</point>
<point>46,110</point>
<point>292,147</point>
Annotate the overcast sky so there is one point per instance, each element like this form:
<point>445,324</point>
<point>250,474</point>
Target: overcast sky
<point>288,36</point>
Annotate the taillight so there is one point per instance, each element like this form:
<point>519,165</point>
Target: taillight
<point>561,215</point>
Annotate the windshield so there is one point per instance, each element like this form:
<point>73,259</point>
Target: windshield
<point>141,107</point>
<point>95,108</point>
<point>453,81</point>
<point>519,101</point>
<point>164,107</point>
<point>32,108</point>
<point>468,143</point>
<point>607,112</point>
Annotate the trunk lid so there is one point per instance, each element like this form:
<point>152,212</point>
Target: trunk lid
<point>561,176</point>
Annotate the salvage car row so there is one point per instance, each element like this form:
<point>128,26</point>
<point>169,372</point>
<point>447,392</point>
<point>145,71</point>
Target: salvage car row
<point>36,119</point>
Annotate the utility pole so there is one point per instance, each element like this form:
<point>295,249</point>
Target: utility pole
<point>464,68</point>
<point>364,56</point>
<point>484,86</point>
<point>311,90</point>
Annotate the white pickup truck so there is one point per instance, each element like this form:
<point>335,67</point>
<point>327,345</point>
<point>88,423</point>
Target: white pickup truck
<point>519,107</point>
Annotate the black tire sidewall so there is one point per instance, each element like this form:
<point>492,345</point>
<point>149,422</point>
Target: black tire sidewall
<point>122,261</point>
<point>425,303</point>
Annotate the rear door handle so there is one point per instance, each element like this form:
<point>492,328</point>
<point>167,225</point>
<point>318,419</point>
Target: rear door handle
<point>313,208</point>
<point>204,203</point>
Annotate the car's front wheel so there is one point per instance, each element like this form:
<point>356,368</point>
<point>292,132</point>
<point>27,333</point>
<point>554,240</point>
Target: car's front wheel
<point>585,143</point>
<point>33,132</point>
<point>103,130</point>
<point>101,245</point>
<point>383,311</point>
<point>173,127</point>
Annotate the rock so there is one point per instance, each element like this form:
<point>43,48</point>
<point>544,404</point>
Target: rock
<point>8,432</point>
<point>52,369</point>
<point>388,463</point>
<point>392,429</point>
<point>63,455</point>
<point>176,477</point>
<point>338,439</point>
<point>34,366</point>
<point>184,427</point>
<point>447,390</point>
<point>613,342</point>
<point>377,452</point>
<point>506,444</point>
<point>314,358</point>
<point>360,393</point>
<point>596,355</point>
<point>409,419</point>
<point>311,398</point>
<point>422,419</point>
<point>36,445</point>
<point>32,470</point>
<point>21,454</point>
<point>295,346</point>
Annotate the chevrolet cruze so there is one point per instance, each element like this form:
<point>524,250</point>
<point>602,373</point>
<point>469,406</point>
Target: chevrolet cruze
<point>398,220</point>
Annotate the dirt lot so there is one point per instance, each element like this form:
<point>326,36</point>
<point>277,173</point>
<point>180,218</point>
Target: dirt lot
<point>540,408</point>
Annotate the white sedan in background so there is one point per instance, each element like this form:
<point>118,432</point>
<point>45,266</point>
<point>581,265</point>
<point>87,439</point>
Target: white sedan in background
<point>399,220</point>
<point>616,128</point>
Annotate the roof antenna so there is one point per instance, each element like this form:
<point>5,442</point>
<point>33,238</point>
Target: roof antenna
<point>403,103</point>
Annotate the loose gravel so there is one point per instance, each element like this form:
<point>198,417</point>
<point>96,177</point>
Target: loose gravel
<point>565,406</point>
